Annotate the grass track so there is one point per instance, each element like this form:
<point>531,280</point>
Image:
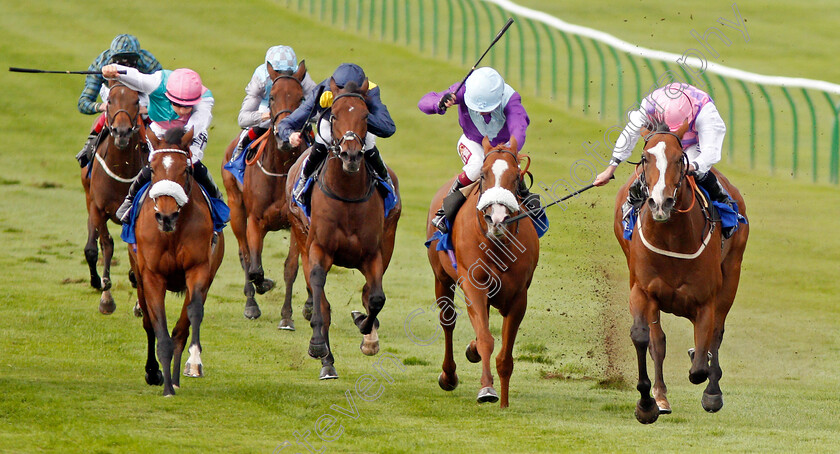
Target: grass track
<point>71,379</point>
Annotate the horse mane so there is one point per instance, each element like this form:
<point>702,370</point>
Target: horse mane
<point>352,87</point>
<point>174,135</point>
<point>656,123</point>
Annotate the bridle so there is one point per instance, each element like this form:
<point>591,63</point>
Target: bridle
<point>135,124</point>
<point>275,117</point>
<point>519,176</point>
<point>683,163</point>
<point>348,136</point>
<point>187,186</point>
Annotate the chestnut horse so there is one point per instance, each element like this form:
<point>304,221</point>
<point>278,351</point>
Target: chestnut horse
<point>348,227</point>
<point>178,251</point>
<point>117,161</point>
<point>678,265</point>
<point>259,205</point>
<point>495,264</point>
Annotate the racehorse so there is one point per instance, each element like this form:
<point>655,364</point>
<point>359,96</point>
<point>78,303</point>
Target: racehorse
<point>259,205</point>
<point>495,264</point>
<point>117,161</point>
<point>348,227</point>
<point>678,265</point>
<point>176,250</point>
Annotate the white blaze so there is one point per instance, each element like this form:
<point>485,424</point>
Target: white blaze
<point>167,162</point>
<point>658,192</point>
<point>499,168</point>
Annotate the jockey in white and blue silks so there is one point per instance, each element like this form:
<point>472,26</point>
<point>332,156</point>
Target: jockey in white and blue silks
<point>676,103</point>
<point>487,107</point>
<point>176,99</point>
<point>254,116</point>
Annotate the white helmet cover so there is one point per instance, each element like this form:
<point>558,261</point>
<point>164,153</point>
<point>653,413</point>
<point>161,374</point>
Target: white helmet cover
<point>484,90</point>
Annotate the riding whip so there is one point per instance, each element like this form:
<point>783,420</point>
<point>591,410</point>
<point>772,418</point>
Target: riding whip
<point>536,210</point>
<point>43,71</point>
<point>498,36</point>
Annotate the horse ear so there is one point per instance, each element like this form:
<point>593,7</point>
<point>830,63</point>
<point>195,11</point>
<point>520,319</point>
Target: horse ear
<point>644,131</point>
<point>301,72</point>
<point>514,147</point>
<point>152,138</point>
<point>364,88</point>
<point>271,72</point>
<point>187,139</point>
<point>683,129</point>
<point>333,86</point>
<point>485,142</point>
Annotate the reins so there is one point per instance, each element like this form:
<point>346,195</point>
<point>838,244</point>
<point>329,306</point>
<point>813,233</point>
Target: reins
<point>261,141</point>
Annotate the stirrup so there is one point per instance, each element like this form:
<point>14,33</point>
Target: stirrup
<point>297,191</point>
<point>123,212</point>
<point>439,221</point>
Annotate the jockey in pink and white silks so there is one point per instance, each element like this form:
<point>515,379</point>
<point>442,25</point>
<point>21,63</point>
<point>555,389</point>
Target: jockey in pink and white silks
<point>676,103</point>
<point>487,107</point>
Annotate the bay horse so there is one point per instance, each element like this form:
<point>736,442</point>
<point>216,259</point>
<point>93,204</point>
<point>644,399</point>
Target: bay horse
<point>259,206</point>
<point>117,161</point>
<point>495,264</point>
<point>348,226</point>
<point>678,265</point>
<point>178,251</point>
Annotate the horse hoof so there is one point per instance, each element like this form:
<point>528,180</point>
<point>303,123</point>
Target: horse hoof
<point>132,278</point>
<point>369,348</point>
<point>168,392</point>
<point>137,311</point>
<point>264,286</point>
<point>487,394</point>
<point>287,324</point>
<point>318,351</point>
<point>445,384</point>
<point>252,312</point>
<point>155,380</point>
<point>712,402</point>
<point>328,373</point>
<point>193,370</point>
<point>472,354</point>
<point>647,412</point>
<point>107,307</point>
<point>307,310</point>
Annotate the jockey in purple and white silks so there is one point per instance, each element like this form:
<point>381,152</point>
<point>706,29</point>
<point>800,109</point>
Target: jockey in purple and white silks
<point>676,103</point>
<point>487,107</point>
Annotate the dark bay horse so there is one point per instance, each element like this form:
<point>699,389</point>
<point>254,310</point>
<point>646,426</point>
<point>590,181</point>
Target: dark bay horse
<point>259,205</point>
<point>117,161</point>
<point>678,265</point>
<point>178,251</point>
<point>495,265</point>
<point>348,227</point>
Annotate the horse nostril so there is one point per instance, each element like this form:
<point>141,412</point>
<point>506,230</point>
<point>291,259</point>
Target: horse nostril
<point>651,203</point>
<point>669,203</point>
<point>488,219</point>
<point>158,217</point>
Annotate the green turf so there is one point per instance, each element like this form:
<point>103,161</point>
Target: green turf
<point>72,379</point>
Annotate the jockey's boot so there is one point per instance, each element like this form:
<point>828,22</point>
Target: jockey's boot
<point>86,152</point>
<point>316,156</point>
<point>531,202</point>
<point>449,208</point>
<point>244,140</point>
<point>373,158</point>
<point>635,198</point>
<point>203,177</point>
<point>143,177</point>
<point>718,193</point>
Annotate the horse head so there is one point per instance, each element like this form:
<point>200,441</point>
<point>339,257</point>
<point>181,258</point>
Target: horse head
<point>286,94</point>
<point>348,123</point>
<point>122,112</point>
<point>171,175</point>
<point>500,177</point>
<point>664,167</point>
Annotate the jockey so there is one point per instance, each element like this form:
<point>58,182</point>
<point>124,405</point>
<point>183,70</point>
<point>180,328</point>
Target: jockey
<point>176,98</point>
<point>379,122</point>
<point>125,50</point>
<point>254,116</point>
<point>676,103</point>
<point>487,107</point>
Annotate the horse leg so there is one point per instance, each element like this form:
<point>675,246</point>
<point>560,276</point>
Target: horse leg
<point>328,362</point>
<point>448,379</point>
<point>239,222</point>
<point>154,376</point>
<point>307,305</point>
<point>106,301</point>
<point>657,353</point>
<point>646,410</point>
<point>703,333</point>
<point>290,270</point>
<point>179,338</point>
<point>91,251</point>
<point>195,313</point>
<point>374,302</point>
<point>256,237</point>
<point>504,360</point>
<point>485,343</point>
<point>155,292</point>
<point>320,263</point>
<point>712,400</point>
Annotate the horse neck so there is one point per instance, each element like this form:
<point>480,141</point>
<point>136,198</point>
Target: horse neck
<point>129,157</point>
<point>348,185</point>
<point>274,159</point>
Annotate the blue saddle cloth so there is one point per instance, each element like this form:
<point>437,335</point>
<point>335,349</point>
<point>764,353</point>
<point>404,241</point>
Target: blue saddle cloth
<point>236,166</point>
<point>219,212</point>
<point>390,198</point>
<point>445,239</point>
<point>729,217</point>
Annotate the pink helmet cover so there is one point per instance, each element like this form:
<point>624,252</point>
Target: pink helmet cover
<point>672,104</point>
<point>184,87</point>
